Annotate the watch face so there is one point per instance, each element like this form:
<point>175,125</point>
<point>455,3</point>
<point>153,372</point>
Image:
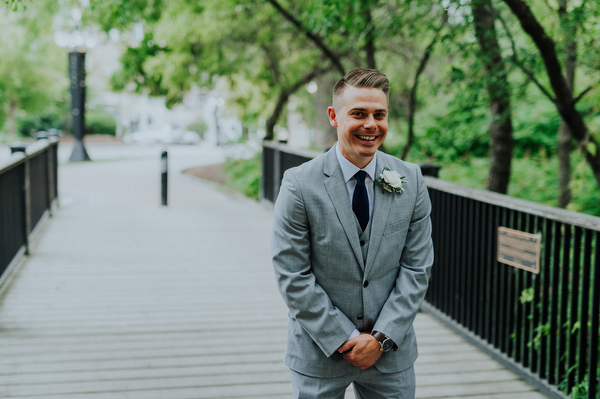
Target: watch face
<point>387,345</point>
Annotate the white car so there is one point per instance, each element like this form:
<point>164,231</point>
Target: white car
<point>166,135</point>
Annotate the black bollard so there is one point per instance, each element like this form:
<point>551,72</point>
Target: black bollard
<point>164,158</point>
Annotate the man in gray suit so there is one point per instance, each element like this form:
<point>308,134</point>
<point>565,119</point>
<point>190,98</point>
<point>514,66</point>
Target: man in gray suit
<point>352,253</point>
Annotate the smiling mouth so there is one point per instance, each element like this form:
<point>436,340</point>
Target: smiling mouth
<point>367,138</point>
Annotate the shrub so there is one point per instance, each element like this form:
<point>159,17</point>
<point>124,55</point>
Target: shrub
<point>244,175</point>
<point>99,122</point>
<point>30,124</point>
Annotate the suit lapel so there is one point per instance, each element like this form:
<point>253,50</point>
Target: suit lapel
<point>338,194</point>
<point>381,209</point>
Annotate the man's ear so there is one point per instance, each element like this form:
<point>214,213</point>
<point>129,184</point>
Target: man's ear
<point>331,114</point>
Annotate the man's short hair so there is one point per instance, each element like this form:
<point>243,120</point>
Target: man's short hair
<point>361,77</point>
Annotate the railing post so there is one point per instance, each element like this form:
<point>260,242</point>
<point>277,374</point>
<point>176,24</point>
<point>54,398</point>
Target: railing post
<point>430,170</point>
<point>18,147</point>
<point>52,172</point>
<point>54,135</point>
<point>277,173</point>
<point>41,135</point>
<point>595,324</point>
<point>264,185</point>
<point>23,193</point>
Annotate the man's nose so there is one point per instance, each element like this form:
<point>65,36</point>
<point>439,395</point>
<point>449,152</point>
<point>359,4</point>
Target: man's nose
<point>370,122</point>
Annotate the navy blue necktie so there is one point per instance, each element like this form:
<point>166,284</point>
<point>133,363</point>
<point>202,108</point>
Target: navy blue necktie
<point>360,200</point>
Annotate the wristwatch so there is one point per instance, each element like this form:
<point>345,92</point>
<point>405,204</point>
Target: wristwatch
<point>386,342</point>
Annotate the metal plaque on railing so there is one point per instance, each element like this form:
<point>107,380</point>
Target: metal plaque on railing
<point>519,249</point>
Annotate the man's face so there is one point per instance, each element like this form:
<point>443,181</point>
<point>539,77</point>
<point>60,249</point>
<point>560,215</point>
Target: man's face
<point>360,115</point>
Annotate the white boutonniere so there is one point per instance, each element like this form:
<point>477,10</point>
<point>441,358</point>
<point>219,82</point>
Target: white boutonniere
<point>391,181</point>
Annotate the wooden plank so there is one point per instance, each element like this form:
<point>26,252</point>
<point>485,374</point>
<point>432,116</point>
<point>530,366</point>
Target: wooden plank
<point>141,373</point>
<point>461,390</point>
<point>200,383</point>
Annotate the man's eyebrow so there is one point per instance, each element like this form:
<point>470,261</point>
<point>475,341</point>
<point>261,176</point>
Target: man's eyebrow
<point>364,109</point>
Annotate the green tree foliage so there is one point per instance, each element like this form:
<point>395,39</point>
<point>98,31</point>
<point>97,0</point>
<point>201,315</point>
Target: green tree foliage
<point>194,43</point>
<point>265,51</point>
<point>32,71</point>
<point>276,46</point>
<point>559,88</point>
<point>12,4</point>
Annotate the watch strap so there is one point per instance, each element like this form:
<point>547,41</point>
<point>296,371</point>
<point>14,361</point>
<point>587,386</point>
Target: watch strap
<point>379,336</point>
<point>385,342</point>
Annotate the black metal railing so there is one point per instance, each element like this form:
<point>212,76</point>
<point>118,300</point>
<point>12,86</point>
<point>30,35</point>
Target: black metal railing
<point>545,326</point>
<point>276,159</point>
<point>28,190</point>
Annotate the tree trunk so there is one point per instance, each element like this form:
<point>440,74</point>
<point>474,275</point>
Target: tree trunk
<point>370,44</point>
<point>564,101</point>
<point>325,134</point>
<point>272,121</point>
<point>564,134</point>
<point>501,145</point>
<point>284,96</point>
<point>11,119</point>
<point>412,101</point>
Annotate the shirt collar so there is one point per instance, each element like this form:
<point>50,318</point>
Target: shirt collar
<point>349,169</point>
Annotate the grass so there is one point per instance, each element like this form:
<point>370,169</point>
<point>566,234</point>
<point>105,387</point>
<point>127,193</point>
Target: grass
<point>534,179</point>
<point>243,175</point>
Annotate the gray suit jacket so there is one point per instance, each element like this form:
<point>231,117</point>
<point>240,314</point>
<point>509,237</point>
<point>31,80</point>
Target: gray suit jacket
<point>320,271</point>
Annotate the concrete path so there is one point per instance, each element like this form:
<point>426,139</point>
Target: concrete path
<point>124,298</point>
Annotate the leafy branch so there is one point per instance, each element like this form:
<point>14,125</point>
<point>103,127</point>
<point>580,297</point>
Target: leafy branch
<point>530,74</point>
<point>284,96</point>
<point>316,39</point>
<point>412,103</point>
<point>520,64</point>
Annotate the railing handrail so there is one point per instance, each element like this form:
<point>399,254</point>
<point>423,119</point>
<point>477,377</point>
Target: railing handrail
<point>291,150</point>
<point>28,191</point>
<point>534,208</point>
<point>31,150</point>
<point>555,214</point>
<point>15,160</point>
<point>40,146</point>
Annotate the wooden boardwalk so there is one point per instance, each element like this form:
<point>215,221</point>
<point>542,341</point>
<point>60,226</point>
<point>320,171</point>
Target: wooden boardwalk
<point>123,298</point>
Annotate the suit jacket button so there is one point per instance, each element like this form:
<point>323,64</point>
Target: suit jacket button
<point>362,243</point>
<point>359,317</point>
<point>366,284</point>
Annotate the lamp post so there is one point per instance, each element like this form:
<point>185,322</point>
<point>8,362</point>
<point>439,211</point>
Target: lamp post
<point>75,40</point>
<point>77,78</point>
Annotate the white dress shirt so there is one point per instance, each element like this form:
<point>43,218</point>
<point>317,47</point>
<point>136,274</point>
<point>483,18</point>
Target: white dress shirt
<point>348,171</point>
